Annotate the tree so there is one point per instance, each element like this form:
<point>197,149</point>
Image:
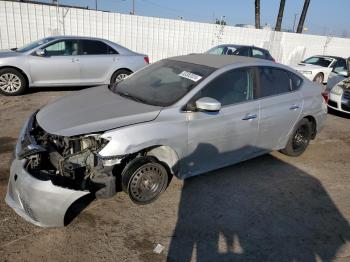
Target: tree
<point>280,15</point>
<point>302,17</point>
<point>257,14</point>
<point>220,21</point>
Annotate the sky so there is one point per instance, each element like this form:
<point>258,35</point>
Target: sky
<point>324,17</point>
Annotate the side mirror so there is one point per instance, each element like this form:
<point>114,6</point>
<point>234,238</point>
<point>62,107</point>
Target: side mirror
<point>343,73</point>
<point>40,52</point>
<point>208,104</point>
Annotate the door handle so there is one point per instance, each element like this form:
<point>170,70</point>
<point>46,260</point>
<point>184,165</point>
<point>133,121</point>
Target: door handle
<point>75,60</point>
<point>293,107</point>
<point>250,117</point>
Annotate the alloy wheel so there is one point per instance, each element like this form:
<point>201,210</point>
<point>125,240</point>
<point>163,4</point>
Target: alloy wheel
<point>120,77</point>
<point>10,83</point>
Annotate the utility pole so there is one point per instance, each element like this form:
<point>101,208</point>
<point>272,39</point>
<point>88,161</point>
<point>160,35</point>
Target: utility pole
<point>96,5</point>
<point>133,7</point>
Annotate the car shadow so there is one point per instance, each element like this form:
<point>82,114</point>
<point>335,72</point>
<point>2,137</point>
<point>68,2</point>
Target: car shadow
<point>338,113</point>
<point>263,209</point>
<point>33,90</point>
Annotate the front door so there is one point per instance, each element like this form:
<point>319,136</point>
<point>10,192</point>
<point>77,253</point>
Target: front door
<point>217,139</point>
<point>58,66</point>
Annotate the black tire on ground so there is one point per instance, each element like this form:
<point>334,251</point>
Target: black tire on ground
<point>299,139</point>
<point>119,75</point>
<point>12,82</point>
<point>144,179</point>
<point>318,78</point>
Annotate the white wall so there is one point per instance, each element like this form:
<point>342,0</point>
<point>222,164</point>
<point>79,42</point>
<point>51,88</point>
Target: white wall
<point>21,23</point>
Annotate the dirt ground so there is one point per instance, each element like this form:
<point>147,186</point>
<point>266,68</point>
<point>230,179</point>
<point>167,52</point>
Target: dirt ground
<point>271,208</point>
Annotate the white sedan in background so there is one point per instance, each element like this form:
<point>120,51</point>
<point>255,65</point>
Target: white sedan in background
<point>319,68</point>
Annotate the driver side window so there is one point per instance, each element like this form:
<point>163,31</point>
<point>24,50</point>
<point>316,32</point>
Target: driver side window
<point>231,87</point>
<point>62,48</point>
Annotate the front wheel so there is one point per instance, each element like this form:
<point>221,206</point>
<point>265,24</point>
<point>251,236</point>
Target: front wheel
<point>299,139</point>
<point>144,179</point>
<point>12,82</point>
<point>119,75</point>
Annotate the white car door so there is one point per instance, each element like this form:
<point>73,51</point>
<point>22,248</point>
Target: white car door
<point>97,60</point>
<point>59,65</point>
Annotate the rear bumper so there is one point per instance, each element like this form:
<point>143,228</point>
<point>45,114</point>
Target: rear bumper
<point>38,201</point>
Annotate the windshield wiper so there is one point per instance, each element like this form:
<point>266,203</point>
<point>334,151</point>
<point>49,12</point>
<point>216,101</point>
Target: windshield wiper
<point>127,95</point>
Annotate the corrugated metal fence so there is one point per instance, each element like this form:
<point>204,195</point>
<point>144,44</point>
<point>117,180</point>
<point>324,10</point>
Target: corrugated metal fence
<point>21,23</point>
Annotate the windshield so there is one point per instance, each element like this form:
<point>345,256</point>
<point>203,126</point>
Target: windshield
<point>222,50</point>
<point>320,61</point>
<point>162,83</point>
<point>34,44</point>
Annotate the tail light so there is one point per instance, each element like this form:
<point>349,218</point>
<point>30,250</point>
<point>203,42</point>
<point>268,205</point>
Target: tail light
<point>146,59</point>
<point>325,96</point>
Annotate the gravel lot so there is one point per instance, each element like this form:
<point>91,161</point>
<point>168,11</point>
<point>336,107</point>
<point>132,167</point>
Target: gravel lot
<point>271,208</point>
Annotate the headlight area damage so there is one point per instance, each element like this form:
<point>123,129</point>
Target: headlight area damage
<point>53,175</point>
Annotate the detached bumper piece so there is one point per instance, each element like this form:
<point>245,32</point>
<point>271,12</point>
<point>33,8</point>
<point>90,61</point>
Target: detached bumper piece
<point>39,201</point>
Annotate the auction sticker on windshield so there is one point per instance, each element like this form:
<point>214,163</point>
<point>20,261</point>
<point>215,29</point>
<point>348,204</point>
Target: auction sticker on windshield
<point>190,76</point>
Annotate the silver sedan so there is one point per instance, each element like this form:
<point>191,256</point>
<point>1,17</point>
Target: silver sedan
<point>66,61</point>
<point>182,116</point>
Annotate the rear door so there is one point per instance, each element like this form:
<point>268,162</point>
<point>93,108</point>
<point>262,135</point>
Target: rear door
<point>58,66</point>
<point>216,139</point>
<point>280,106</point>
<point>97,60</point>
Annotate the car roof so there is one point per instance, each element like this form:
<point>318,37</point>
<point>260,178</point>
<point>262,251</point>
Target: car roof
<point>240,46</point>
<point>74,37</point>
<point>330,56</point>
<point>217,61</point>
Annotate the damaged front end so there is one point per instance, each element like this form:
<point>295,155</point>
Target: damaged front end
<point>51,173</point>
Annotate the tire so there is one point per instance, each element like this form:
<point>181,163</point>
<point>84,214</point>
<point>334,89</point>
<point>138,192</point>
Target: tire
<point>299,139</point>
<point>319,78</point>
<point>12,82</point>
<point>119,75</point>
<point>144,179</point>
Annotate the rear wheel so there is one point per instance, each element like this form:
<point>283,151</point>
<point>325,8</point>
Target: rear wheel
<point>119,75</point>
<point>144,179</point>
<point>319,78</point>
<point>299,139</point>
<point>12,82</point>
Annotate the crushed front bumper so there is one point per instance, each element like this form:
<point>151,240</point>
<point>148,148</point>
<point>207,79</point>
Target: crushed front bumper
<point>38,201</point>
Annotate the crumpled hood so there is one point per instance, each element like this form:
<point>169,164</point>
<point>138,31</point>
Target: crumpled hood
<point>306,67</point>
<point>93,110</point>
<point>8,53</point>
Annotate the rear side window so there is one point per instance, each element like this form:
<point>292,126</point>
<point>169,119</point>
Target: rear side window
<point>242,51</point>
<point>94,47</point>
<point>258,53</point>
<point>273,81</point>
<point>296,81</point>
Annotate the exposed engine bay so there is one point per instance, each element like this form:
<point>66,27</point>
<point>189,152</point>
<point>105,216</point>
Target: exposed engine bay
<point>70,162</point>
<point>345,84</point>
